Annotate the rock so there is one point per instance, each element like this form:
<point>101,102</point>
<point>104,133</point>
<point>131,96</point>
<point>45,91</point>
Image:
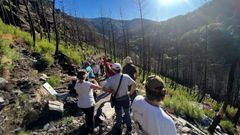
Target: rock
<point>182,121</point>
<point>185,130</point>
<point>52,129</point>
<point>1,100</point>
<point>56,106</point>
<point>49,88</point>
<point>3,83</point>
<point>204,121</point>
<point>17,92</point>
<point>43,77</point>
<point>46,126</point>
<point>24,84</point>
<point>109,127</point>
<point>107,111</point>
<point>31,117</point>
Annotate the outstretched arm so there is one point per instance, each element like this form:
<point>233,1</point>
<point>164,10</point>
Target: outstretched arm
<point>70,78</point>
<point>107,90</point>
<point>95,86</point>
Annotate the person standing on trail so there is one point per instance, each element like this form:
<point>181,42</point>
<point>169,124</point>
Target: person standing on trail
<point>131,70</point>
<point>108,67</point>
<point>86,100</point>
<point>96,70</point>
<point>101,63</point>
<point>121,82</point>
<point>147,111</point>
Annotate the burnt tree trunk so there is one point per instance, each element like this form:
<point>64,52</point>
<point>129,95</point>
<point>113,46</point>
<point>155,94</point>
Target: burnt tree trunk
<point>227,100</point>
<point>46,25</point>
<point>11,12</point>
<point>30,22</point>
<point>55,28</point>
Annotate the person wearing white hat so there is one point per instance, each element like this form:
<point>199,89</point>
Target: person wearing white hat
<point>119,84</point>
<point>131,70</point>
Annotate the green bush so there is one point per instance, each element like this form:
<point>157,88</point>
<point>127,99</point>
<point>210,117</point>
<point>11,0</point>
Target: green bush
<point>230,112</point>
<point>210,113</point>
<point>228,126</point>
<point>73,53</point>
<point>55,80</point>
<point>182,104</point>
<point>43,46</point>
<point>7,55</point>
<point>22,132</point>
<point>48,59</point>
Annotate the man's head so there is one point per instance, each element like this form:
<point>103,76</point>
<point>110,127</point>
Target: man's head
<point>116,67</point>
<point>128,60</point>
<point>155,88</point>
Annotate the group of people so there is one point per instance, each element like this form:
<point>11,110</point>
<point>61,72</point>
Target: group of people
<point>121,82</point>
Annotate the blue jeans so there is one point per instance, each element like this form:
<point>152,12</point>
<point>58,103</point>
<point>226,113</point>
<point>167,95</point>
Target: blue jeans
<point>124,103</point>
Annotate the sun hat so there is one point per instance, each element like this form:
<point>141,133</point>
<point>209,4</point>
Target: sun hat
<point>128,60</point>
<point>154,83</point>
<point>116,66</point>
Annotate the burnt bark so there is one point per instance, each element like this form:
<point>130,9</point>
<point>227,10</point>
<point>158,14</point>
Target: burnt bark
<point>227,100</point>
<point>30,22</point>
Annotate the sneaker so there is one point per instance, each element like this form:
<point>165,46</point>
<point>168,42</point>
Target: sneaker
<point>128,133</point>
<point>119,131</point>
<point>129,129</point>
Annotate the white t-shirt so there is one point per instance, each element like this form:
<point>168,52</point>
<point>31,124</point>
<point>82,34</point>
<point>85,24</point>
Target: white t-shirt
<point>85,94</point>
<point>113,82</point>
<point>153,120</point>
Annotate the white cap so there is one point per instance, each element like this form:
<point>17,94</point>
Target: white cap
<point>116,66</point>
<point>128,60</point>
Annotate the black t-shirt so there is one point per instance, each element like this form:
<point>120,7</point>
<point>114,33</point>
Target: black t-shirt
<point>130,69</point>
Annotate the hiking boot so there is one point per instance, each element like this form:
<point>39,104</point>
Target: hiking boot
<point>119,131</point>
<point>128,132</point>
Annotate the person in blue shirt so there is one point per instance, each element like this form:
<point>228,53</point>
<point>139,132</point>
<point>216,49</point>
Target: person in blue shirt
<point>89,70</point>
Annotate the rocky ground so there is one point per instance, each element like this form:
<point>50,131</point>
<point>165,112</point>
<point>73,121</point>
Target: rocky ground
<point>27,105</point>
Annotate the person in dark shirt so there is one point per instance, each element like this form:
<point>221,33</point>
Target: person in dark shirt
<point>131,70</point>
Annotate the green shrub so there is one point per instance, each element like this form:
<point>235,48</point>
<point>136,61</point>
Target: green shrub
<point>210,113</point>
<point>7,55</point>
<point>48,59</point>
<point>182,104</point>
<point>230,112</point>
<point>228,126</point>
<point>22,132</point>
<point>216,106</point>
<point>55,80</point>
<point>43,46</point>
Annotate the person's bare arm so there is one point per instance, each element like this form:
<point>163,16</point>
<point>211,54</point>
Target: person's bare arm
<point>133,88</point>
<point>107,90</point>
<point>95,86</point>
<point>71,78</point>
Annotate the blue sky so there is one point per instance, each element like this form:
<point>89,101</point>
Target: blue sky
<point>152,9</point>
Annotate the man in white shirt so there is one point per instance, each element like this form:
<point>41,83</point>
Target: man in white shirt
<point>122,97</point>
<point>148,113</point>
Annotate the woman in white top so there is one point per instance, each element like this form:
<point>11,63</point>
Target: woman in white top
<point>86,100</point>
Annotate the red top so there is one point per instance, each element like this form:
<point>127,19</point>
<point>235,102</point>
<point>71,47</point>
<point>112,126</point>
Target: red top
<point>109,69</point>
